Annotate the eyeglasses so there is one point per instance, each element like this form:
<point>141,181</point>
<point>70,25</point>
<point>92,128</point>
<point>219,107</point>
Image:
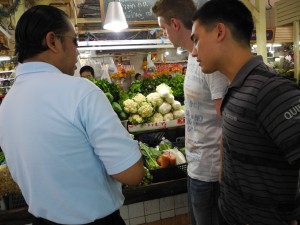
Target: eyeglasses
<point>75,39</point>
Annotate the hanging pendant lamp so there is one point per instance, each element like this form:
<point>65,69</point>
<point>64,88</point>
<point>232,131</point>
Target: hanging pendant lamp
<point>115,18</point>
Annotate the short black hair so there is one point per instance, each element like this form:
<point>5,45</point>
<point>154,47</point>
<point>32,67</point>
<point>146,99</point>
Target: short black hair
<point>232,13</point>
<point>87,69</point>
<point>33,27</point>
<point>137,75</point>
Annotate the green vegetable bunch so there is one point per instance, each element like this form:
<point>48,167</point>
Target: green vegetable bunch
<point>107,87</point>
<point>150,155</point>
<point>112,92</point>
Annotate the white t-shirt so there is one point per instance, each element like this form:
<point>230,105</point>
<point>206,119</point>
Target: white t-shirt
<point>203,128</point>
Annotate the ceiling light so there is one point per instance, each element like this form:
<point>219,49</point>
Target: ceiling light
<point>115,18</point>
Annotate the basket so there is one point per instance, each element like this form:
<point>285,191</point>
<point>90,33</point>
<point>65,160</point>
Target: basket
<point>14,201</point>
<point>179,143</point>
<point>169,173</point>
<point>151,139</point>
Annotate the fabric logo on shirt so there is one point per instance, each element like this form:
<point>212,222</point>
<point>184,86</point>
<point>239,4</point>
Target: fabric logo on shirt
<point>230,116</point>
<point>293,113</point>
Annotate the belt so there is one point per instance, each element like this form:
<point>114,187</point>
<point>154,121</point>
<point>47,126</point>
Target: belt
<point>103,221</point>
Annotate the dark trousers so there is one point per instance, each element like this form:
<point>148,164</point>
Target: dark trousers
<point>112,219</point>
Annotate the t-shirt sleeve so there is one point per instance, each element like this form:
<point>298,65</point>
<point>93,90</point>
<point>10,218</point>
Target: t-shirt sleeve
<point>278,110</point>
<point>106,134</point>
<point>217,84</point>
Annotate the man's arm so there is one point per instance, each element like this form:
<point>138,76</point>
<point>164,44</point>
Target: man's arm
<point>133,175</point>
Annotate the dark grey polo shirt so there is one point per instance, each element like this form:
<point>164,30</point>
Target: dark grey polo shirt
<point>261,148</point>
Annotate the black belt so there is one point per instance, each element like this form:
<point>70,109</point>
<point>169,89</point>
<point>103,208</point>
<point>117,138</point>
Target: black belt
<point>113,218</point>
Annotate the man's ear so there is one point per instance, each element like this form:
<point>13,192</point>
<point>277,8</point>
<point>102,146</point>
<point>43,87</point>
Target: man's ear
<point>52,41</point>
<point>221,31</point>
<point>175,23</point>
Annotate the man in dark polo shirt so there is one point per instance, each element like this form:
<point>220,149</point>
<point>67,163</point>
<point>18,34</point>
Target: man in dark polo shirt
<point>261,120</point>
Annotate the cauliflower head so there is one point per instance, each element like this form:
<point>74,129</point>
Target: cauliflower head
<point>176,105</point>
<point>139,98</point>
<point>164,108</point>
<point>163,90</point>
<point>178,114</point>
<point>155,99</point>
<point>168,116</point>
<point>135,119</point>
<point>145,110</point>
<point>130,106</point>
<point>157,117</point>
<point>169,98</point>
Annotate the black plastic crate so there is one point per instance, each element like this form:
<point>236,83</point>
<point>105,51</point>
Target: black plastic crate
<point>152,138</point>
<point>169,173</point>
<point>14,201</point>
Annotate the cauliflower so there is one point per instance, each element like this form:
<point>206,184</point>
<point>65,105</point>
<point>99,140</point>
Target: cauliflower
<point>157,117</point>
<point>163,90</point>
<point>176,105</point>
<point>178,114</point>
<point>135,119</point>
<point>164,108</point>
<point>130,106</point>
<point>169,98</point>
<point>155,99</point>
<point>145,110</point>
<point>168,116</point>
<point>139,98</point>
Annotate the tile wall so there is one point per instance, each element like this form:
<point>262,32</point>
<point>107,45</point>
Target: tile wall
<point>155,210</point>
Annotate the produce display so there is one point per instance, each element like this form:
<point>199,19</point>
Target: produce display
<point>157,106</point>
<point>161,157</point>
<point>149,85</point>
<point>148,100</point>
<point>112,92</point>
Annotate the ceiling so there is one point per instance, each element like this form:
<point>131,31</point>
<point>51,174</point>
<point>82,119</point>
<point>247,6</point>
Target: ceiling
<point>88,15</point>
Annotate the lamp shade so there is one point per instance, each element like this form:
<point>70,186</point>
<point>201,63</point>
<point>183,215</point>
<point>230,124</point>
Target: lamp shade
<point>115,18</point>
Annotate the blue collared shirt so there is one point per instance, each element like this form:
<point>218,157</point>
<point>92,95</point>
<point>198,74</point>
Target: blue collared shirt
<point>62,141</point>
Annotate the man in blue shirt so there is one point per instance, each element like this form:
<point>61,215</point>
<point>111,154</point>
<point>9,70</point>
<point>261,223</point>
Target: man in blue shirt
<point>65,147</point>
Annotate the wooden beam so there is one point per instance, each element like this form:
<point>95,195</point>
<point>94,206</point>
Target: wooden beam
<point>296,39</point>
<point>261,36</point>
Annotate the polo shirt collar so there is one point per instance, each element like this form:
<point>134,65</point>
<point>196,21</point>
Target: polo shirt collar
<point>245,71</point>
<point>35,67</point>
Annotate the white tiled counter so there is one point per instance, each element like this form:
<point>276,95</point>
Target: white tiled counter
<point>155,210</point>
<point>155,202</point>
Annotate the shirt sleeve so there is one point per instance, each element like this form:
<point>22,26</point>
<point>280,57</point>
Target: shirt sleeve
<point>278,110</point>
<point>217,84</point>
<point>106,134</point>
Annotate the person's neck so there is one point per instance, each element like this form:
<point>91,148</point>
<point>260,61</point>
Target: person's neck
<point>234,61</point>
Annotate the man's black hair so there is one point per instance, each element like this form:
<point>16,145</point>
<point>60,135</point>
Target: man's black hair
<point>87,69</point>
<point>232,13</point>
<point>33,27</point>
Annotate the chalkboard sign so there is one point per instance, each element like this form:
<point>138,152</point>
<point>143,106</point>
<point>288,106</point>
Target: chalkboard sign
<point>136,10</point>
<point>140,10</point>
